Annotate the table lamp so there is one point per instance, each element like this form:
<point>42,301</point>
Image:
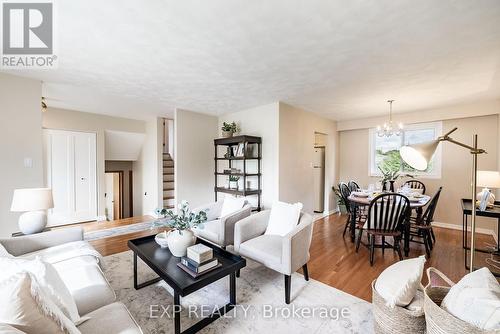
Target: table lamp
<point>488,180</point>
<point>33,202</point>
<point>418,156</point>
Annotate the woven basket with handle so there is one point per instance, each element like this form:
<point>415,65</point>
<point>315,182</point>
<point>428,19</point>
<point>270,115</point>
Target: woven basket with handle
<point>438,320</point>
<point>397,320</point>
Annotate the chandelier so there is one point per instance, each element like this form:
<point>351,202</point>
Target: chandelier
<point>388,129</point>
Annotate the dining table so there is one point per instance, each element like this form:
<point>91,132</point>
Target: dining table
<point>363,199</point>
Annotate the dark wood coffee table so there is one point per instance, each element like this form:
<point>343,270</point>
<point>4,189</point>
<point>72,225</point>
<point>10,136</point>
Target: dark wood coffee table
<point>163,263</point>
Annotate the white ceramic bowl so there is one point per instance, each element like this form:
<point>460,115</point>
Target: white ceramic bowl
<point>161,239</point>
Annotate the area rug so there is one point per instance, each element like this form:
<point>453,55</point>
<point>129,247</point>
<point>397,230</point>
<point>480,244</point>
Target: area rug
<point>315,307</point>
<point>114,231</point>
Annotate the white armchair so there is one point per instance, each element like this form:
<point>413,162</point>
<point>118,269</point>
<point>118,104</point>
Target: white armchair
<point>283,254</point>
<point>220,230</point>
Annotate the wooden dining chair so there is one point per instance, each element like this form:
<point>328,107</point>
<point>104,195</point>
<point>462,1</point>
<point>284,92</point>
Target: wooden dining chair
<point>415,184</point>
<point>353,186</point>
<point>387,214</point>
<point>345,192</point>
<point>422,228</point>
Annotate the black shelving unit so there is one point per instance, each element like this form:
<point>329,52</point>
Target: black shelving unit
<point>257,156</point>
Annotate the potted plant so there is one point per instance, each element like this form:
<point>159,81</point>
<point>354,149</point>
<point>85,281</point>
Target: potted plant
<point>389,176</point>
<point>340,200</point>
<point>233,181</point>
<point>228,129</point>
<point>180,237</point>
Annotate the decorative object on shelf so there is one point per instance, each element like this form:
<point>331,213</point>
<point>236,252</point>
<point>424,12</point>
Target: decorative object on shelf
<point>488,180</point>
<point>161,239</point>
<point>418,156</point>
<point>228,129</point>
<point>388,129</point>
<point>180,237</point>
<point>34,202</point>
<point>200,253</point>
<point>233,181</point>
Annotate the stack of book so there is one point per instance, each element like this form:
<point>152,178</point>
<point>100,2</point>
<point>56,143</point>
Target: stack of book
<point>198,260</point>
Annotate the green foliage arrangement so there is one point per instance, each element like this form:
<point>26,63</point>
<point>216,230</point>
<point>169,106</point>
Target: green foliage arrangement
<point>230,127</point>
<point>186,219</point>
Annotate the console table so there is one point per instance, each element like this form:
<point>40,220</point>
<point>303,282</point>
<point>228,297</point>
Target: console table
<point>494,213</point>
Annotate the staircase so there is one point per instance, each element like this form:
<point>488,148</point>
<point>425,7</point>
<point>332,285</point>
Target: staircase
<point>168,181</point>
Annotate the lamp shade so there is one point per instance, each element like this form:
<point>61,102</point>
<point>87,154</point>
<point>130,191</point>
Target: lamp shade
<point>32,199</point>
<point>488,179</point>
<point>419,155</point>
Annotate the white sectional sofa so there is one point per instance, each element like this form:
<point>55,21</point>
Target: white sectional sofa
<point>79,266</point>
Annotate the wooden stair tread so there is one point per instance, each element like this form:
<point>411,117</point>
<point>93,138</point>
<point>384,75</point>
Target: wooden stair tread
<point>168,197</point>
<point>168,173</point>
<point>168,189</point>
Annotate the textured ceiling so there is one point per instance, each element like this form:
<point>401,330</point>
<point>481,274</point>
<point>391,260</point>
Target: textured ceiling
<point>342,59</point>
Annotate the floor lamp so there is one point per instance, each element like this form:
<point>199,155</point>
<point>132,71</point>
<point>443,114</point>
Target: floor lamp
<point>418,157</point>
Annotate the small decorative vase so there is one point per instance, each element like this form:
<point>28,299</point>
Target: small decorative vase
<point>227,134</point>
<point>178,243</point>
<point>233,185</point>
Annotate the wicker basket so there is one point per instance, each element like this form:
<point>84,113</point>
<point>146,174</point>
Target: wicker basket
<point>397,320</point>
<point>438,320</point>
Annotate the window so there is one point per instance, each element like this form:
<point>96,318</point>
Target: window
<point>384,151</point>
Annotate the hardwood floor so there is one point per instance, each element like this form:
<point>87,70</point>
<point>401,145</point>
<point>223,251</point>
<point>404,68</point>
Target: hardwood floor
<point>334,260</point>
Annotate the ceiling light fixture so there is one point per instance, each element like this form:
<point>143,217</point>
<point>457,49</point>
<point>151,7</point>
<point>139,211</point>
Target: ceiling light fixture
<point>387,130</point>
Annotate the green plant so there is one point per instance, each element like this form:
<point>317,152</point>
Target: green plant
<point>340,199</point>
<point>391,174</point>
<point>234,178</point>
<point>186,219</point>
<point>231,127</point>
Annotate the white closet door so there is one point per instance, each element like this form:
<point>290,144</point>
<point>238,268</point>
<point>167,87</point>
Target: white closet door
<point>70,159</point>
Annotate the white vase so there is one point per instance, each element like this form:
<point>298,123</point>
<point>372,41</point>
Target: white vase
<point>178,243</point>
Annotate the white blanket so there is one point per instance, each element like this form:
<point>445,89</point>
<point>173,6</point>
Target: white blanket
<point>66,251</point>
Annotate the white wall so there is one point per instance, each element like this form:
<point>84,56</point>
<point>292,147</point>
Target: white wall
<point>261,121</point>
<point>148,185</point>
<point>297,130</point>
<point>20,138</point>
<point>194,157</point>
<point>82,121</point>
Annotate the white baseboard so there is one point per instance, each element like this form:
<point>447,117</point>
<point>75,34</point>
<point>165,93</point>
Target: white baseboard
<point>323,215</point>
<point>479,230</point>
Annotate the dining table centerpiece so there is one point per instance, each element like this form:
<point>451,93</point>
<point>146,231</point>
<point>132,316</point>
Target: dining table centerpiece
<point>180,235</point>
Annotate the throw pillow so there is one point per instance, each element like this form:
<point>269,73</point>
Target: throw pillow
<point>24,306</point>
<point>283,218</point>
<point>49,280</point>
<point>231,204</point>
<point>475,299</point>
<point>398,283</point>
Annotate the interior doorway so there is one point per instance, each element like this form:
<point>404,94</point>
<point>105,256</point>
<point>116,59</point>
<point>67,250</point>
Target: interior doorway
<point>114,195</point>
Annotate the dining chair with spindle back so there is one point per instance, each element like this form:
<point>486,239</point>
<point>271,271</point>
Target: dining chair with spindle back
<point>387,215</point>
<point>416,184</point>
<point>423,228</point>
<point>345,192</point>
<point>353,186</point>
